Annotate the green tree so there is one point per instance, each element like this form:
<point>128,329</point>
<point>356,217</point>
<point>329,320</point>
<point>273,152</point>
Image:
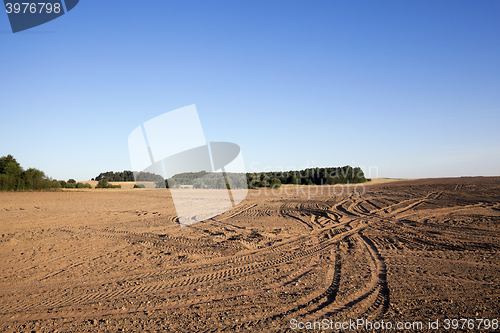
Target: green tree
<point>275,183</point>
<point>5,183</point>
<point>8,165</point>
<point>34,179</point>
<point>54,184</point>
<point>220,184</point>
<point>12,171</point>
<point>70,185</point>
<point>295,179</point>
<point>103,183</point>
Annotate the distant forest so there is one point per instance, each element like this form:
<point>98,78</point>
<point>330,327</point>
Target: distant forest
<point>312,176</point>
<point>128,176</point>
<point>203,179</point>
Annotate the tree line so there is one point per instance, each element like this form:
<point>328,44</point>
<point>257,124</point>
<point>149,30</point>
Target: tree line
<point>203,179</point>
<point>14,177</point>
<point>128,176</point>
<point>200,179</point>
<point>311,176</point>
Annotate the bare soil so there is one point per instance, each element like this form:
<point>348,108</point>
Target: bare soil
<point>117,260</point>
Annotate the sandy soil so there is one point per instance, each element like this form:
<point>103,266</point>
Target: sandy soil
<point>117,260</point>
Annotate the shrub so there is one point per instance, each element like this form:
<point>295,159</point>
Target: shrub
<point>103,183</point>
<point>70,185</point>
<point>54,184</point>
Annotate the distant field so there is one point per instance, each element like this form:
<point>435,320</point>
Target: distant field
<point>384,180</point>
<point>124,185</point>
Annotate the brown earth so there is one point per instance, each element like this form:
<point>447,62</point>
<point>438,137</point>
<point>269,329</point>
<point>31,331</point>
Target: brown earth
<point>117,260</point>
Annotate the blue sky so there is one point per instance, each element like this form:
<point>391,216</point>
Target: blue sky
<point>402,88</point>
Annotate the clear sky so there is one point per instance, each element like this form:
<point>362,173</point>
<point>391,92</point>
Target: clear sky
<point>402,88</point>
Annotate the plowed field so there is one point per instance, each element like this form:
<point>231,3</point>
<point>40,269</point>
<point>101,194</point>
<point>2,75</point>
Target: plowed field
<point>118,260</point>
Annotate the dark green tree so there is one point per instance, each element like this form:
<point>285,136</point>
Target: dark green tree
<point>34,179</point>
<point>275,183</point>
<point>12,171</point>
